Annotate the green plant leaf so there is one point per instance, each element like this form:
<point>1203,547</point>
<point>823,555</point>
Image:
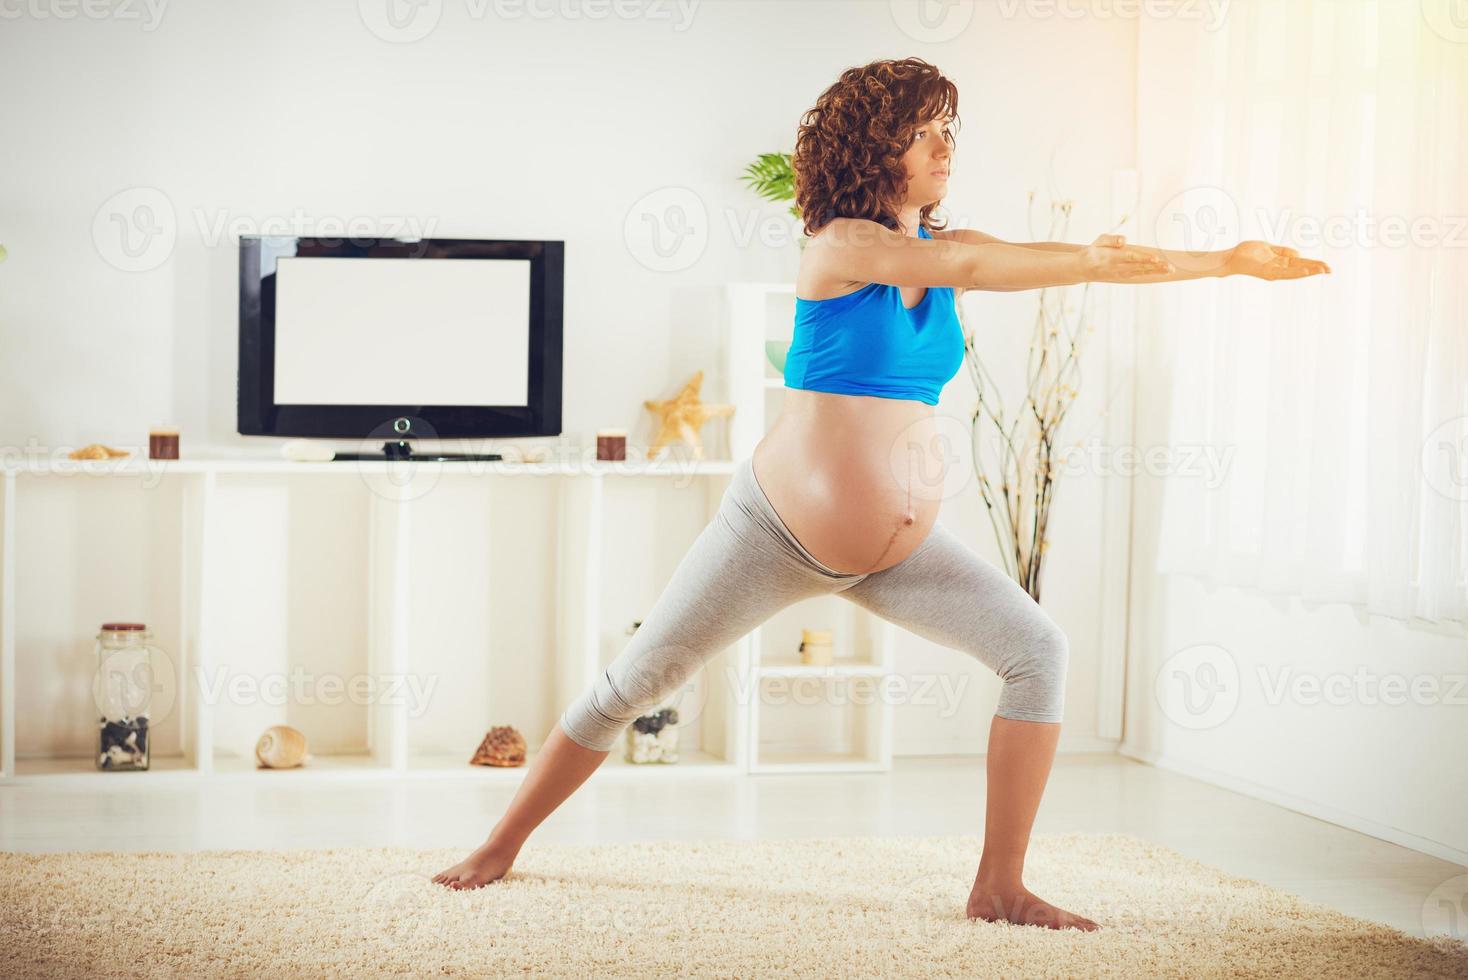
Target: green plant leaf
<point>772,177</point>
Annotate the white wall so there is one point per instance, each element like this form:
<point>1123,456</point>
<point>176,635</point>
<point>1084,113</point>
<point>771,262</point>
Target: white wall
<point>1313,720</point>
<point>235,115</point>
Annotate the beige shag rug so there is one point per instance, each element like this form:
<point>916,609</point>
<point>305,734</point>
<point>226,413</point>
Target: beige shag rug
<point>822,908</point>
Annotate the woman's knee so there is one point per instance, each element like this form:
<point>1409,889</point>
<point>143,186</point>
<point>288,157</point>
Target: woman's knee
<point>1034,676</point>
<point>598,717</point>
<point>636,683</point>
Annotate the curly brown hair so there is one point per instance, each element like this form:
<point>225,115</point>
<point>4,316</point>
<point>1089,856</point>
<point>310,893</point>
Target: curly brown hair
<point>848,153</point>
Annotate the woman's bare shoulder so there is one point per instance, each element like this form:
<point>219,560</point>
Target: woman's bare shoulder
<point>840,231</point>
<point>820,276</point>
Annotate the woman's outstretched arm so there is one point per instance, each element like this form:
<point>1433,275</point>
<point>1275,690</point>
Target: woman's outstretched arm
<point>860,250</point>
<point>972,236</point>
<point>1251,258</point>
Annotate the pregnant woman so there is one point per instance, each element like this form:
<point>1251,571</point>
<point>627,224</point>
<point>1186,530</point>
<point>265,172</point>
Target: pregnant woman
<point>842,495</point>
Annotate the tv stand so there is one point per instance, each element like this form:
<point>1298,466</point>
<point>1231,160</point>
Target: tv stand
<point>402,449</point>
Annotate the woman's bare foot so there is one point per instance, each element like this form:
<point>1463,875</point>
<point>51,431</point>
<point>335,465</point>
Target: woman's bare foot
<point>1021,906</point>
<point>488,862</point>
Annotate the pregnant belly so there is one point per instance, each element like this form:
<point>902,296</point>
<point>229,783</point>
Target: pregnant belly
<point>857,479</point>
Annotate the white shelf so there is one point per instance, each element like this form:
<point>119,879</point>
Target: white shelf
<point>689,762</point>
<point>803,762</point>
<point>490,587</point>
<point>133,466</point>
<point>316,767</point>
<point>71,768</point>
<point>176,770</point>
<point>820,721</point>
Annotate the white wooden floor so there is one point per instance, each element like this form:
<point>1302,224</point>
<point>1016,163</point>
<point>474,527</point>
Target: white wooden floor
<point>1357,874</point>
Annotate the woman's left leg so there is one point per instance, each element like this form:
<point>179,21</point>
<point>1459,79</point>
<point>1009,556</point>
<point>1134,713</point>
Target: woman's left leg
<point>946,592</point>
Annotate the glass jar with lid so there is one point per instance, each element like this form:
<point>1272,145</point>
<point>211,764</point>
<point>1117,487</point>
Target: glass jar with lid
<point>123,688</point>
<point>653,738</point>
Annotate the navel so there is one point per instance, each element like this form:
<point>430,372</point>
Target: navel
<point>908,518</point>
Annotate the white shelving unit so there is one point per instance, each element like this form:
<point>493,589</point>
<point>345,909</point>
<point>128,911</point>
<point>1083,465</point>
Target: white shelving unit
<point>502,589</point>
<point>499,589</point>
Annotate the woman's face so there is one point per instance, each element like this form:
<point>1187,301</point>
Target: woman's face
<point>927,162</point>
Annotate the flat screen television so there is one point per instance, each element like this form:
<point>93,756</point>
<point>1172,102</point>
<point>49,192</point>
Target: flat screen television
<point>400,339</point>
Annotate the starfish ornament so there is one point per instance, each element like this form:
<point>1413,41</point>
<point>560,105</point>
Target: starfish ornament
<point>682,416</point>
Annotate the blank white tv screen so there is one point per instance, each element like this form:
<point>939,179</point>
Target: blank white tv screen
<point>352,331</point>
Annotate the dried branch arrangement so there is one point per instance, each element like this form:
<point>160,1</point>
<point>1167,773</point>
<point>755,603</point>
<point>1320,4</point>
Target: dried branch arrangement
<point>1017,478</point>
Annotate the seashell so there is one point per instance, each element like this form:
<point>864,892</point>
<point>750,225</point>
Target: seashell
<point>281,747</point>
<point>95,450</point>
<point>502,746</point>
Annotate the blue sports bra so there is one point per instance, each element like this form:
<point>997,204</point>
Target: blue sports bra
<point>868,343</point>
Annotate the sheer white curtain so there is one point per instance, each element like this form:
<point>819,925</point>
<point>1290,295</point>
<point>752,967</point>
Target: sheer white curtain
<point>1338,403</point>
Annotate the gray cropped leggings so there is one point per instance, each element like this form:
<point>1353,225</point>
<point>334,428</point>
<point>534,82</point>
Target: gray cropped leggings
<point>746,565</point>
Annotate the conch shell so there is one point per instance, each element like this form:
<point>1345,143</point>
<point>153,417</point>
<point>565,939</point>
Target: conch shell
<point>281,747</point>
<point>503,745</point>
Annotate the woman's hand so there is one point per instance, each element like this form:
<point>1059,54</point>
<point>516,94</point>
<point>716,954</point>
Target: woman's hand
<point>1110,259</point>
<point>1265,261</point>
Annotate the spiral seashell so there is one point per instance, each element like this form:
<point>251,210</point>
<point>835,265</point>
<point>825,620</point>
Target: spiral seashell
<point>281,747</point>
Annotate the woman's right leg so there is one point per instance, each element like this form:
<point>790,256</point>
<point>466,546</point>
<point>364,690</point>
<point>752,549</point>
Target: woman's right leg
<point>741,569</point>
<point>945,592</point>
